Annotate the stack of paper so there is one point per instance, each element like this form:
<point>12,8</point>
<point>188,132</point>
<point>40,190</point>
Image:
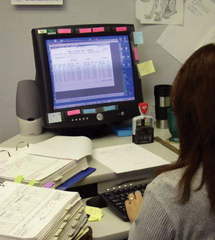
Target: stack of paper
<point>32,213</point>
<point>52,161</point>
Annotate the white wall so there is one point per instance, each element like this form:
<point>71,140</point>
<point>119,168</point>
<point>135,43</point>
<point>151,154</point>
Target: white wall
<point>16,52</point>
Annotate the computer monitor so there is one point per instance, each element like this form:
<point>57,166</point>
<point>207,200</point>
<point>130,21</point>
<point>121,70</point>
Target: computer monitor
<point>86,75</point>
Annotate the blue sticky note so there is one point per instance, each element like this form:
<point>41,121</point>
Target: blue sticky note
<point>87,111</point>
<point>109,108</point>
<point>122,131</point>
<point>138,37</point>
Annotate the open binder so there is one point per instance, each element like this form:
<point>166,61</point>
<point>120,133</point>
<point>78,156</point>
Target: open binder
<point>42,168</point>
<point>32,213</point>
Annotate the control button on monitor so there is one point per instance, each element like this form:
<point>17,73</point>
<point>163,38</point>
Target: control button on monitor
<point>100,116</point>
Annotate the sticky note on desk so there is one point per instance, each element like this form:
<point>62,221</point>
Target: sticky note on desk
<point>146,68</point>
<point>94,212</point>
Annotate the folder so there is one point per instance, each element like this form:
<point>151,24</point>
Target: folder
<point>76,178</point>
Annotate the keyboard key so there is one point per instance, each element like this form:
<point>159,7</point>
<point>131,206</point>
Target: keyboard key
<point>116,198</point>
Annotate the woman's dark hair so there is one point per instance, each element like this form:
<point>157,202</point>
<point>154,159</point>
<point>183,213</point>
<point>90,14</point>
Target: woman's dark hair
<point>193,98</point>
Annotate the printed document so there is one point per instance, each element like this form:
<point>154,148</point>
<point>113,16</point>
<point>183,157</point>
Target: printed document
<point>127,158</point>
<point>31,167</point>
<point>28,212</point>
<point>198,29</point>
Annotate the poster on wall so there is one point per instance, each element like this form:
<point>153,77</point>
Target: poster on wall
<point>36,2</point>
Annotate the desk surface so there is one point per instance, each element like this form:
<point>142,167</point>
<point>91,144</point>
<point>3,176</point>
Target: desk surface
<point>110,227</point>
<point>104,174</point>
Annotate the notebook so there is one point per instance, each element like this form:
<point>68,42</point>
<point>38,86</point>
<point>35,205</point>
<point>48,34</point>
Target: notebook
<point>42,161</point>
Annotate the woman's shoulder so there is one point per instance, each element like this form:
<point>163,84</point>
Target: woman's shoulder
<point>165,184</point>
<point>170,177</point>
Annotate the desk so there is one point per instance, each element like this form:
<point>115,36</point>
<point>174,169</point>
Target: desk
<point>110,227</point>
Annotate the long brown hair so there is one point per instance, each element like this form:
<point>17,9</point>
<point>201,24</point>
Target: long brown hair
<point>193,98</point>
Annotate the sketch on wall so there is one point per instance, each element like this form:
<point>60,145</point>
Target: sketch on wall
<point>160,11</point>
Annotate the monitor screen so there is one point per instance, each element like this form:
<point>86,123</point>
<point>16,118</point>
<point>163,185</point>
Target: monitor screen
<point>90,70</point>
<point>86,78</point>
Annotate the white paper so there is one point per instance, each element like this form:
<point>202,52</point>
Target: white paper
<point>127,157</point>
<point>210,38</point>
<point>37,2</point>
<point>27,210</point>
<point>182,41</point>
<point>62,147</point>
<point>30,166</point>
<point>160,11</point>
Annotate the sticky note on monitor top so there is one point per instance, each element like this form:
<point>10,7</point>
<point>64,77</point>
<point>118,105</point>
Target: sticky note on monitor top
<point>145,68</point>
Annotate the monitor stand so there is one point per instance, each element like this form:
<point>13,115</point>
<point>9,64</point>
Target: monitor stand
<point>91,132</point>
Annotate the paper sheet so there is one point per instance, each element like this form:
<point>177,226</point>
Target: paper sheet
<point>127,157</point>
<point>62,147</point>
<point>37,2</point>
<point>198,29</point>
<point>160,11</point>
<point>23,207</point>
<point>30,166</point>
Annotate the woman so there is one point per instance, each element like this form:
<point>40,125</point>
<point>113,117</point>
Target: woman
<point>180,202</point>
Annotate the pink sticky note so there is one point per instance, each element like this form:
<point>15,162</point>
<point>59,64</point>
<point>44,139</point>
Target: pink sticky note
<point>73,112</point>
<point>121,29</point>
<point>85,30</point>
<point>48,185</point>
<point>99,29</point>
<point>65,30</point>
<point>136,57</point>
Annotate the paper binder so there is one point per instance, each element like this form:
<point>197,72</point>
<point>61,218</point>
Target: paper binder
<point>27,206</point>
<point>43,169</point>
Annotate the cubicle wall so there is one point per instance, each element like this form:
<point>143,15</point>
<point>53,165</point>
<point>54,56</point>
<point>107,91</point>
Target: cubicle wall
<point>16,51</point>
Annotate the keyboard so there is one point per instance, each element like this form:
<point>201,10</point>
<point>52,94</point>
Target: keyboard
<point>115,197</point>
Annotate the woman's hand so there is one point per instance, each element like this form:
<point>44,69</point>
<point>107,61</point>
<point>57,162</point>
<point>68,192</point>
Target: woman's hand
<point>133,205</point>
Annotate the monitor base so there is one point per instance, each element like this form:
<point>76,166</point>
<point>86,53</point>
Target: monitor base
<point>90,132</point>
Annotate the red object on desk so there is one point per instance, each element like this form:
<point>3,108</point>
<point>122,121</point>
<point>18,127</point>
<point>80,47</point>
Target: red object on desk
<point>143,107</point>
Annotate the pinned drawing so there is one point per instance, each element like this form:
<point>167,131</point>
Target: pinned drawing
<point>159,11</point>
<point>168,8</point>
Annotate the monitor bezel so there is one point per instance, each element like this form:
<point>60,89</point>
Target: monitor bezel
<point>43,77</point>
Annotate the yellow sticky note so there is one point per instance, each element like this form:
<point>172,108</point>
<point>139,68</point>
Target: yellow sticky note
<point>94,212</point>
<point>146,68</point>
<point>32,182</point>
<point>19,179</point>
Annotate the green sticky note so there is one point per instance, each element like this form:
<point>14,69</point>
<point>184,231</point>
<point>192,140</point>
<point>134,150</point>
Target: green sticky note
<point>19,179</point>
<point>146,68</point>
<point>51,31</point>
<point>32,182</point>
